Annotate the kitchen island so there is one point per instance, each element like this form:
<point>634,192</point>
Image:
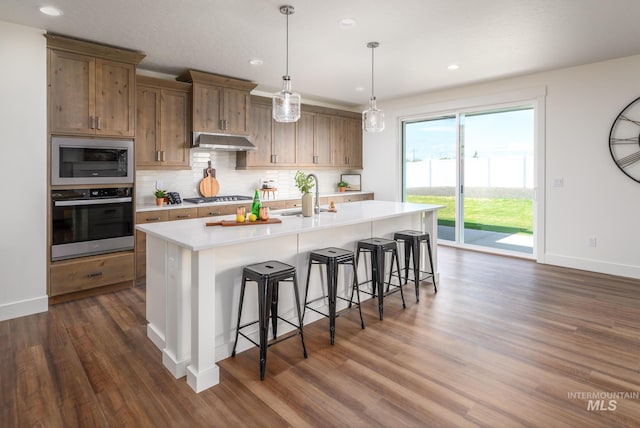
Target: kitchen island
<point>194,273</point>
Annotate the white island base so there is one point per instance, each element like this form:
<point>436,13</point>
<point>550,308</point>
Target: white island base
<point>194,274</point>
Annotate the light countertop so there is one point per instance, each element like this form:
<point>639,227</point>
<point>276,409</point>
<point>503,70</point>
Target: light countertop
<point>194,235</point>
<point>154,207</point>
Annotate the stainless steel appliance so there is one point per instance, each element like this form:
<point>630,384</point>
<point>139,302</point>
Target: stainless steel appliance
<point>230,198</point>
<point>91,221</point>
<point>88,161</point>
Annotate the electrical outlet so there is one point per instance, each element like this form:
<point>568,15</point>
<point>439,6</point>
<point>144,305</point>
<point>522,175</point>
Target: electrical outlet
<point>159,185</point>
<point>592,241</point>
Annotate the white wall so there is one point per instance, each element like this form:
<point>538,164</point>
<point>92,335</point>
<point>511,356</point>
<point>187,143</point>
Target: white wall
<point>597,199</point>
<point>23,152</point>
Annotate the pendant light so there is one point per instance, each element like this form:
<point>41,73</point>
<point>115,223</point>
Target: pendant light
<point>372,118</point>
<point>286,104</point>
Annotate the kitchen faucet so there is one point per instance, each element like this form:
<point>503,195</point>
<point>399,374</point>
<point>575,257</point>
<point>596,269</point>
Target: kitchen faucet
<point>316,205</point>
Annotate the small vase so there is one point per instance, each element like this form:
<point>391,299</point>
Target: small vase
<point>342,189</point>
<point>307,205</point>
<point>159,201</point>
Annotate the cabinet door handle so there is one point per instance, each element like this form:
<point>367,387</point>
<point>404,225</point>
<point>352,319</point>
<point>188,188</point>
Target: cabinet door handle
<point>221,124</point>
<point>274,158</point>
<point>152,218</point>
<point>214,213</point>
<point>225,124</point>
<point>163,156</point>
<point>92,121</point>
<point>184,216</point>
<point>315,159</point>
<point>94,274</point>
<point>158,155</point>
<point>99,123</point>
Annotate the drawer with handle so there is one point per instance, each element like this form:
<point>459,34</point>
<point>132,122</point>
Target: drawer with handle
<point>152,216</point>
<point>183,213</point>
<point>69,276</point>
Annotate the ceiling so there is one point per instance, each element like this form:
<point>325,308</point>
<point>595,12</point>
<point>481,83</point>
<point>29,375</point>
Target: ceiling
<point>419,39</point>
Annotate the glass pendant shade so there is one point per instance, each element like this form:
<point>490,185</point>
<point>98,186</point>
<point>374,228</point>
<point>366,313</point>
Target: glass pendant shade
<point>372,118</point>
<point>286,104</point>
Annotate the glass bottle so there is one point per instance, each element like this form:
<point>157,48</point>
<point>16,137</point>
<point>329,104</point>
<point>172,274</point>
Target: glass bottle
<point>255,208</point>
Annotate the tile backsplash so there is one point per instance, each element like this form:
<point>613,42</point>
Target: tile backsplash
<point>232,181</point>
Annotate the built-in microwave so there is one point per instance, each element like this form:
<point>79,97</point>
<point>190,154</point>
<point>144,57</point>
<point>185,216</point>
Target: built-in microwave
<point>88,161</point>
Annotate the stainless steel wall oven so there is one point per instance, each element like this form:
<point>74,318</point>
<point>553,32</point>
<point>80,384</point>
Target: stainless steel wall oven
<point>91,221</point>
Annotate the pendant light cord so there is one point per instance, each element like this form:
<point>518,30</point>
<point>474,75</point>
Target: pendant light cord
<point>287,50</point>
<point>372,48</point>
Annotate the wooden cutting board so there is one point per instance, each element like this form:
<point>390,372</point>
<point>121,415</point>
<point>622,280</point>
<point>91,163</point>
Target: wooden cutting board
<point>209,186</point>
<point>246,223</point>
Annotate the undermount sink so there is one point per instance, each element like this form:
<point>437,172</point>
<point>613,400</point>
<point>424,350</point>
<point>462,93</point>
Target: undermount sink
<point>298,212</point>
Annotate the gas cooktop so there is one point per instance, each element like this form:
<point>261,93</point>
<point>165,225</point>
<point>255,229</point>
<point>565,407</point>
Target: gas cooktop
<point>230,198</point>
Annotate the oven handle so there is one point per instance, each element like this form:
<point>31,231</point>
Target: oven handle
<point>76,202</point>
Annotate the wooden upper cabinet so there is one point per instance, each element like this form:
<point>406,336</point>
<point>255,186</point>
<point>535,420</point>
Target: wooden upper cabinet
<point>321,138</point>
<point>221,105</point>
<point>235,111</point>
<point>91,88</point>
<point>163,123</point>
<point>261,128</point>
<point>347,142</point>
<point>314,139</point>
<point>206,108</point>
<point>115,98</point>
<point>72,92</point>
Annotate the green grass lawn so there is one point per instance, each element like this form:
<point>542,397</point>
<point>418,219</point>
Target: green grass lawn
<point>497,215</point>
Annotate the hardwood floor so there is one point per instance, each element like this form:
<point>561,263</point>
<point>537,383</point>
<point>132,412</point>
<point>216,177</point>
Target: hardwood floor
<point>504,343</point>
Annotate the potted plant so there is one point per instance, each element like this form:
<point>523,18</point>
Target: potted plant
<point>342,185</point>
<point>305,183</point>
<point>160,195</point>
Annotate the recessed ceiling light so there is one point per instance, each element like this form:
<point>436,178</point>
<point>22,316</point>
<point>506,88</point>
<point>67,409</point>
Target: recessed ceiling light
<point>51,11</point>
<point>347,23</point>
<point>256,61</point>
<point>453,67</point>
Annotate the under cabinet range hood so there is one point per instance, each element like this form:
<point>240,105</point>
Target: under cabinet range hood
<point>230,143</point>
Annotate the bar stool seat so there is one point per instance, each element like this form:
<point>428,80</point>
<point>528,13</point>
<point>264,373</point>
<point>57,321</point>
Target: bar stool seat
<point>413,240</point>
<point>332,258</point>
<point>378,248</point>
<point>268,276</point>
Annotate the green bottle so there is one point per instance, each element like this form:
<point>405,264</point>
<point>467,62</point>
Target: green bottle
<point>255,208</point>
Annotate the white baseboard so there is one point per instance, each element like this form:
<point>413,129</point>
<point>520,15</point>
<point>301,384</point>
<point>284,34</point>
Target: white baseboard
<point>24,307</point>
<point>617,269</point>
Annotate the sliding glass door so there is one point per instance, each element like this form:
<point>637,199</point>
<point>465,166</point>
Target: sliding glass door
<point>479,164</point>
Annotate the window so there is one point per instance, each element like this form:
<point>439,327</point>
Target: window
<point>479,164</point>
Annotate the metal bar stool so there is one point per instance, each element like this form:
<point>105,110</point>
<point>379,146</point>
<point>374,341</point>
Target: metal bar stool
<point>268,275</point>
<point>378,248</point>
<point>413,240</point>
<point>332,258</point>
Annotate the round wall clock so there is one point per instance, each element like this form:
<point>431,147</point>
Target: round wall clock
<point>624,140</point>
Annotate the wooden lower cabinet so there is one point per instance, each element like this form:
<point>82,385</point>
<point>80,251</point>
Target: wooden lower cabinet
<point>213,211</point>
<point>183,214</point>
<point>352,198</point>
<point>89,273</point>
